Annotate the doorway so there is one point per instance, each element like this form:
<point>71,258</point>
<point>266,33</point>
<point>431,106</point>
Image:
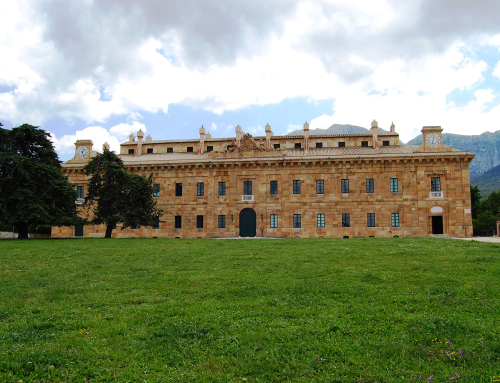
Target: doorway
<point>248,223</point>
<point>437,224</point>
<point>79,231</point>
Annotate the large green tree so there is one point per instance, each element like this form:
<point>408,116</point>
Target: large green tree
<point>33,191</point>
<point>115,195</point>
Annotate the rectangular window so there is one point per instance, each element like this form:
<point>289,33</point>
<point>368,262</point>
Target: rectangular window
<point>170,150</point>
<point>296,221</point>
<point>320,220</point>
<point>229,147</point>
<point>222,189</point>
<point>346,220</point>
<point>296,186</point>
<point>222,221</point>
<point>156,190</point>
<point>199,222</point>
<point>277,146</point>
<point>394,185</point>
<point>131,151</point>
<point>149,150</point>
<point>247,187</point>
<point>395,219</point>
<point>273,187</point>
<point>189,149</point>
<point>364,143</point>
<point>178,222</point>
<point>210,148</point>
<point>320,186</point>
<point>370,220</point>
<point>298,145</point>
<point>370,188</point>
<point>385,143</point>
<point>156,224</point>
<point>274,221</point>
<point>178,190</point>
<point>344,186</point>
<point>80,191</point>
<point>435,184</point>
<point>319,144</point>
<point>342,144</point>
<point>200,189</point>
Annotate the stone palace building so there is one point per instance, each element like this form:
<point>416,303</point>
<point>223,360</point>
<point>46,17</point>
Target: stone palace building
<point>319,186</point>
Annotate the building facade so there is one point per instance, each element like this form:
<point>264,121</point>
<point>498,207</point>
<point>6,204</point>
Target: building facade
<point>342,185</point>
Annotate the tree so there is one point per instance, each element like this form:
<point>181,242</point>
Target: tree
<point>32,188</point>
<point>475,199</point>
<point>117,196</point>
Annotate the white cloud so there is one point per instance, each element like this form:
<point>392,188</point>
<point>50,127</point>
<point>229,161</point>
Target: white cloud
<point>66,144</point>
<point>123,130</point>
<point>385,60</point>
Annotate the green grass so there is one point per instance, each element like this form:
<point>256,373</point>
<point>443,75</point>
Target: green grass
<point>324,310</point>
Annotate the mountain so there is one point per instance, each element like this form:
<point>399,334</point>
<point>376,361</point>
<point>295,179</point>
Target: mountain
<point>335,129</point>
<point>487,182</point>
<point>485,146</point>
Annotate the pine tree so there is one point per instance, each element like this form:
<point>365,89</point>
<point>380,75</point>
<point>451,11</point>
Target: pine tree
<point>33,191</point>
<point>117,196</point>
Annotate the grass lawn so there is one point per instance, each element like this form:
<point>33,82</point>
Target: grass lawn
<point>322,310</point>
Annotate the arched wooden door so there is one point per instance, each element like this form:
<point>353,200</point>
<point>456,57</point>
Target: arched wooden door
<point>248,223</point>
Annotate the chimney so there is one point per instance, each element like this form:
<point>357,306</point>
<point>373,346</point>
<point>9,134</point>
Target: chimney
<point>269,135</point>
<point>374,133</point>
<point>140,135</point>
<point>202,140</point>
<point>306,136</point>
<point>131,137</point>
<point>239,134</point>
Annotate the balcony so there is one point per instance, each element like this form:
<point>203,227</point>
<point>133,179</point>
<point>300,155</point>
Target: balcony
<point>247,198</point>
<point>436,194</point>
<point>80,201</point>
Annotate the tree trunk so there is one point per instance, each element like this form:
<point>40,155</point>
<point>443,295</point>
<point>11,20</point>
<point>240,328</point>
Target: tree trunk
<point>109,230</point>
<point>22,229</point>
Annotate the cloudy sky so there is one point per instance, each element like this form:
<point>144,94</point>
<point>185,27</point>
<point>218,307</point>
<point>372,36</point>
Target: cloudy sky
<point>101,69</point>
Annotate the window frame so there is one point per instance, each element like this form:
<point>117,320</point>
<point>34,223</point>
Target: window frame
<point>170,150</point>
<point>320,186</point>
<point>370,220</point>
<point>370,185</point>
<point>190,149</point>
<point>274,221</point>
<point>298,145</point>
<point>344,186</point>
<point>277,146</point>
<point>221,221</point>
<point>156,190</point>
<point>131,151</point>
<point>247,188</point>
<point>364,144</point>
<point>296,187</point>
<point>210,148</point>
<point>319,145</point>
<point>80,192</point>
<point>200,189</point>
<point>149,150</point>
<point>394,185</point>
<point>178,189</point>
<point>395,219</point>
<point>297,221</point>
<point>222,189</point>
<point>178,222</point>
<point>320,221</point>
<point>273,187</point>
<point>346,220</point>
<point>435,184</point>
<point>341,144</point>
<point>386,143</point>
<point>199,221</point>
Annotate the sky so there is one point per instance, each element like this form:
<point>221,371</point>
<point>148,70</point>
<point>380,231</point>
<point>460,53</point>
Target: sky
<point>102,69</point>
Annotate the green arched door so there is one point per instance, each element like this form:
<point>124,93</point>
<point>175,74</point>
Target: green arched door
<point>248,223</point>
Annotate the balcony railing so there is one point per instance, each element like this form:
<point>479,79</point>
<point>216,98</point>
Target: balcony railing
<point>436,194</point>
<point>247,198</point>
<point>80,201</point>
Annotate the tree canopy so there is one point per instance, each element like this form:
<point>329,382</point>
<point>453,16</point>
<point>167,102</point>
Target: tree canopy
<point>485,213</point>
<point>33,191</point>
<point>115,195</point>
